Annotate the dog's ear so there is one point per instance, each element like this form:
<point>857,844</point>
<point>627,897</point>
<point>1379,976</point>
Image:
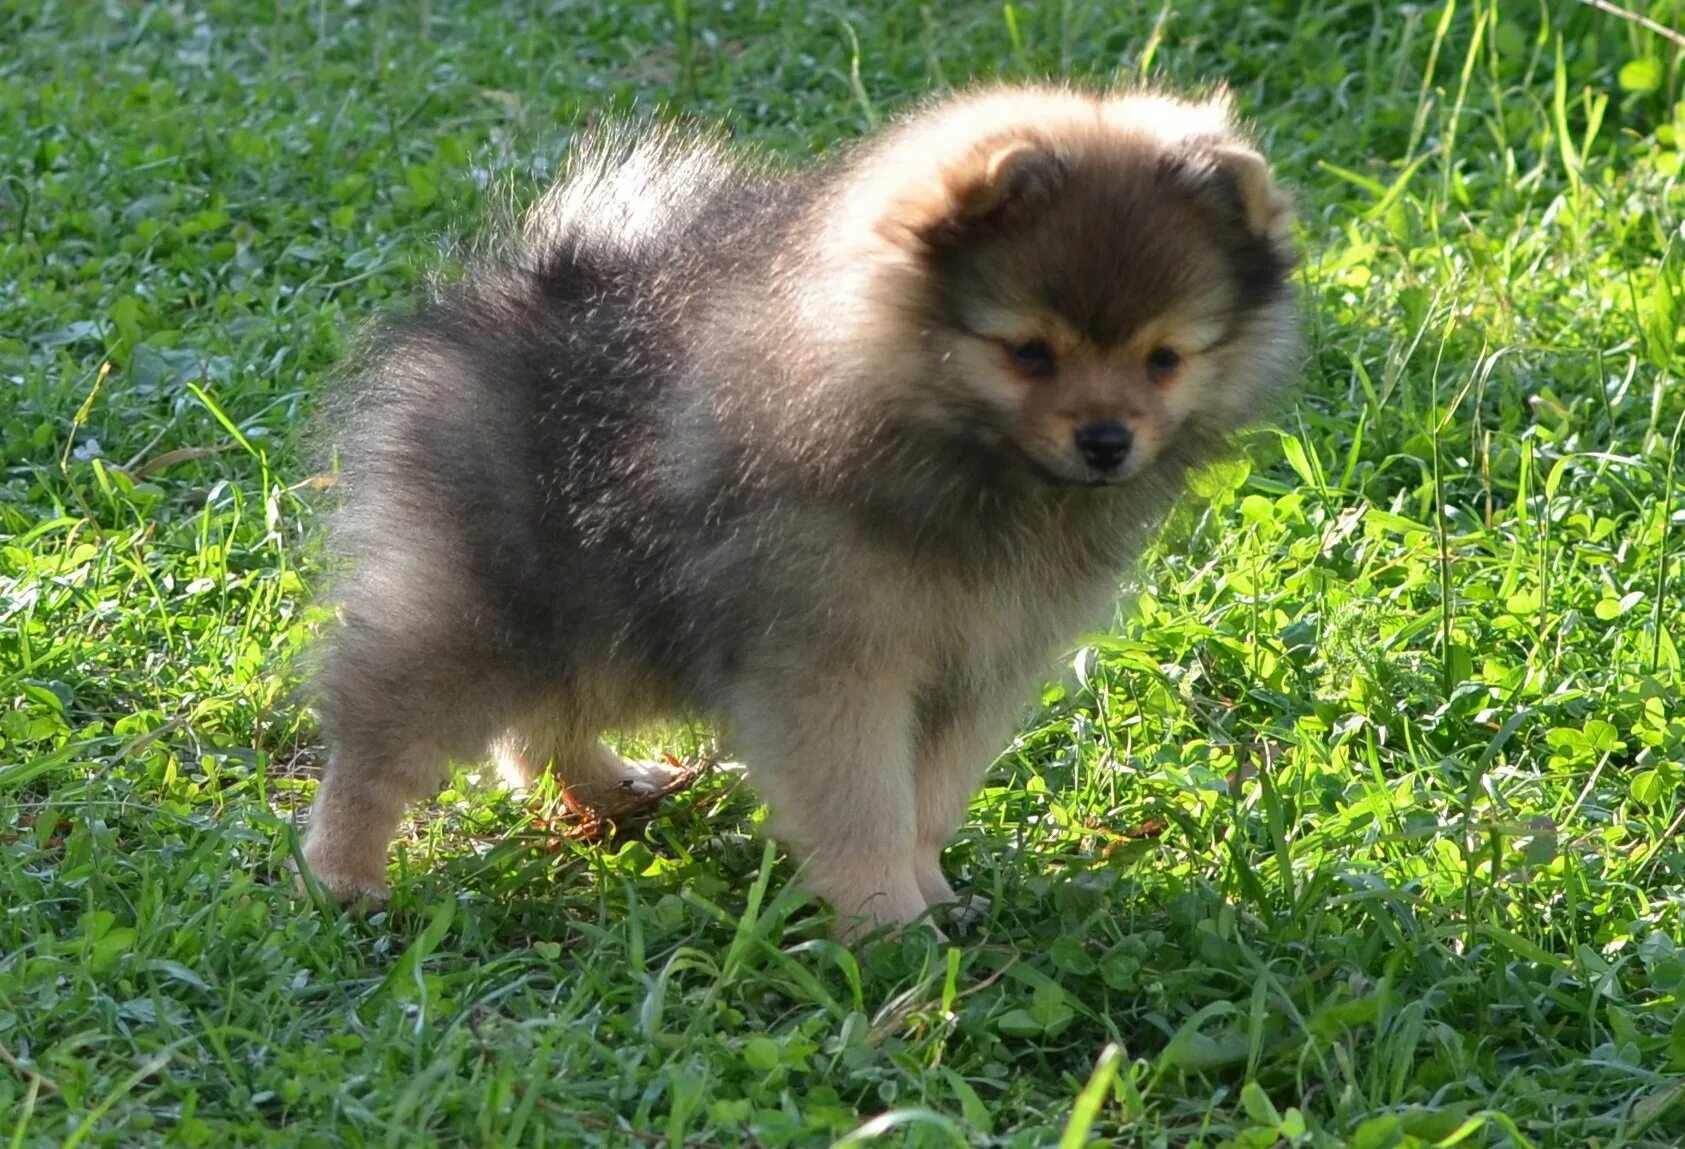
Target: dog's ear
<point>1009,178</point>
<point>1240,180</point>
<point>1267,211</point>
<point>991,184</point>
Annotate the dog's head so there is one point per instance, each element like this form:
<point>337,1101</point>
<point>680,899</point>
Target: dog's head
<point>1087,281</point>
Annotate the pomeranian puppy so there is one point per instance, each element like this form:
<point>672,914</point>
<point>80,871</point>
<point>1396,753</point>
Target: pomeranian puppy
<point>837,458</point>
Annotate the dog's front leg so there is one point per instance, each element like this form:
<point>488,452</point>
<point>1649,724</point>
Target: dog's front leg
<point>833,756</point>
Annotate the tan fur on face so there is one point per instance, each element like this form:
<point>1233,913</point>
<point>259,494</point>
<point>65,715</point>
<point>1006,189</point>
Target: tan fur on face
<point>1091,383</point>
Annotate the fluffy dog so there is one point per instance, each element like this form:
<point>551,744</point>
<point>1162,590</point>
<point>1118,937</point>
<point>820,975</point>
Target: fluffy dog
<point>838,458</point>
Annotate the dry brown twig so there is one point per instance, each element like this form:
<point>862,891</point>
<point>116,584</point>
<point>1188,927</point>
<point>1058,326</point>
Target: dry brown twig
<point>578,822</point>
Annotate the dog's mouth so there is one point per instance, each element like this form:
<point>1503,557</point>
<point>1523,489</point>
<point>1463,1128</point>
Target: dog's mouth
<point>1103,482</point>
<point>1093,480</point>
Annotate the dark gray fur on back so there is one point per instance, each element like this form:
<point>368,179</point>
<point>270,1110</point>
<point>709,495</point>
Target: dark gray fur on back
<point>502,510</point>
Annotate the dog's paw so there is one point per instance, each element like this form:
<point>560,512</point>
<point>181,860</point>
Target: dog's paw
<point>856,929</point>
<point>353,892</point>
<point>863,908</point>
<point>348,887</point>
<point>963,912</point>
<point>959,911</point>
<point>644,779</point>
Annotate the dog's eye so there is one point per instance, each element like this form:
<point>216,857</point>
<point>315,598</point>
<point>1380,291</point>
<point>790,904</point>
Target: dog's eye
<point>1034,358</point>
<point>1163,361</point>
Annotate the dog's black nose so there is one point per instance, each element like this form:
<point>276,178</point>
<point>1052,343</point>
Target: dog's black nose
<point>1104,443</point>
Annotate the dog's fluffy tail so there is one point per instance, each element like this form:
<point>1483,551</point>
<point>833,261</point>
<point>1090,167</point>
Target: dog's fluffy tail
<point>631,194</point>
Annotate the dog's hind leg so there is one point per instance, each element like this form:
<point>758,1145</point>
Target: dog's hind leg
<point>396,715</point>
<point>359,804</point>
<point>592,774</point>
<point>561,735</point>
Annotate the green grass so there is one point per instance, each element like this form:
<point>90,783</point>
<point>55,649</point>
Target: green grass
<point>1360,828</point>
